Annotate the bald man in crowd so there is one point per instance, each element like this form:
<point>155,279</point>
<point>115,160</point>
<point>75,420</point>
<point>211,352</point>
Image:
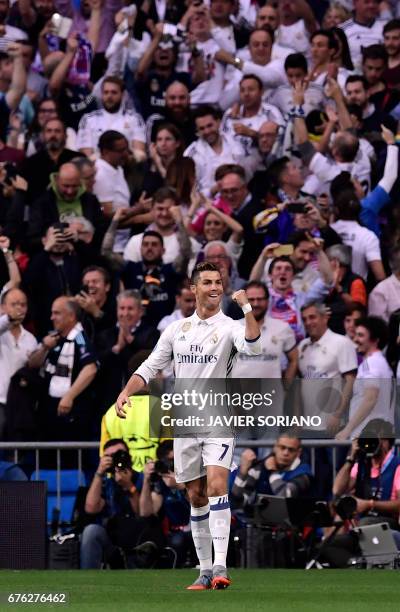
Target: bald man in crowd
<point>70,367</point>
<point>65,197</point>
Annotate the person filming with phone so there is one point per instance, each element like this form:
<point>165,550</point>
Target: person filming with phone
<point>285,302</point>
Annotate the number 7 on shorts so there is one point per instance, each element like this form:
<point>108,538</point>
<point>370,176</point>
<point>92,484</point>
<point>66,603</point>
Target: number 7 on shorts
<point>225,447</point>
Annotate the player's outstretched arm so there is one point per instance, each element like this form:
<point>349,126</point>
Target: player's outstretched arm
<point>134,384</point>
<point>159,359</point>
<point>252,329</point>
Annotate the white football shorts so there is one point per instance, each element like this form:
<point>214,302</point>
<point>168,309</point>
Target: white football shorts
<point>192,455</point>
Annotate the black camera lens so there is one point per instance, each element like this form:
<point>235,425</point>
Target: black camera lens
<point>121,460</point>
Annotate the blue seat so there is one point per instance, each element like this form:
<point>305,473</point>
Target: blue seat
<point>70,481</point>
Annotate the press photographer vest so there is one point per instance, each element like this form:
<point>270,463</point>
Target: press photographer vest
<point>381,486</point>
<point>134,430</point>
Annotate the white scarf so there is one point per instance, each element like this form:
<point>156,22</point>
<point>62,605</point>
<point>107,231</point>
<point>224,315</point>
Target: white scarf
<point>60,382</point>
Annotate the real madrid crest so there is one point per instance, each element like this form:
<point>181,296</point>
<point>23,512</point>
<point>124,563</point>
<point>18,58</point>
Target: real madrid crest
<point>214,338</point>
<point>186,326</point>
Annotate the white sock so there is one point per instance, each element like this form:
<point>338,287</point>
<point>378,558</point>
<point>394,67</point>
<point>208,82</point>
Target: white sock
<point>199,522</point>
<point>220,526</point>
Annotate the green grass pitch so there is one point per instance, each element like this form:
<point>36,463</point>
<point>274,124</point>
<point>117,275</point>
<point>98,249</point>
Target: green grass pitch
<point>251,590</point>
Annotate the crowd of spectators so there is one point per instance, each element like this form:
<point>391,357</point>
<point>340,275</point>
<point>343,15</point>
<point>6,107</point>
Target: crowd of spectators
<point>137,139</point>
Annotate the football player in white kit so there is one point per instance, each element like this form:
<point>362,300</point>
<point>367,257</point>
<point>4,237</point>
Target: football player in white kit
<point>203,346</point>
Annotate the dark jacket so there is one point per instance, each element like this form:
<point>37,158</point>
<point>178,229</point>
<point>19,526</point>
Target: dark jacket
<point>114,368</point>
<point>37,168</point>
<point>44,213</point>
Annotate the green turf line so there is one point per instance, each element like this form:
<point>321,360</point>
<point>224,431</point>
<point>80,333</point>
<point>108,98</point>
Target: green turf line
<point>251,591</point>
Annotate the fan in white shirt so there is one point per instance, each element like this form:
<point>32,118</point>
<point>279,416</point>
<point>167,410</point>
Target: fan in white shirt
<point>244,126</point>
<point>364,29</point>
<point>384,299</point>
<point>268,16</point>
<point>327,364</point>
<point>222,31</point>
<point>110,186</point>
<point>167,221</point>
<point>366,252</point>
<point>207,73</point>
<point>373,389</point>
<point>297,22</point>
<point>211,149</point>
<point>296,69</point>
<point>16,343</point>
<point>345,149</point>
<point>254,60</point>
<point>113,116</point>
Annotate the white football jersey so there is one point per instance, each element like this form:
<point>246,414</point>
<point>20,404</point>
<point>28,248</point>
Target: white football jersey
<point>200,348</point>
<point>359,36</point>
<point>93,125</point>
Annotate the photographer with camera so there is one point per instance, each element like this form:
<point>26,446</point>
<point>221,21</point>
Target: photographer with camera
<point>371,473</point>
<point>366,490</point>
<point>162,496</point>
<point>114,498</point>
<point>281,473</point>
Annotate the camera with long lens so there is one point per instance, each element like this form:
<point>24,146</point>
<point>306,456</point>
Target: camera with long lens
<point>367,448</point>
<point>121,460</point>
<point>346,507</point>
<point>161,467</point>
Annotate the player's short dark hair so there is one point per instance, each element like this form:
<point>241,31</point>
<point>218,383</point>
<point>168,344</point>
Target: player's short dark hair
<point>375,52</point>
<point>393,24</point>
<point>377,329</point>
<point>355,78</point>
<point>105,273</point>
<point>154,234</point>
<point>257,285</point>
<point>108,139</point>
<point>205,110</point>
<point>283,258</point>
<point>203,266</point>
<point>115,80</point>
<point>296,60</point>
<point>253,77</point>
